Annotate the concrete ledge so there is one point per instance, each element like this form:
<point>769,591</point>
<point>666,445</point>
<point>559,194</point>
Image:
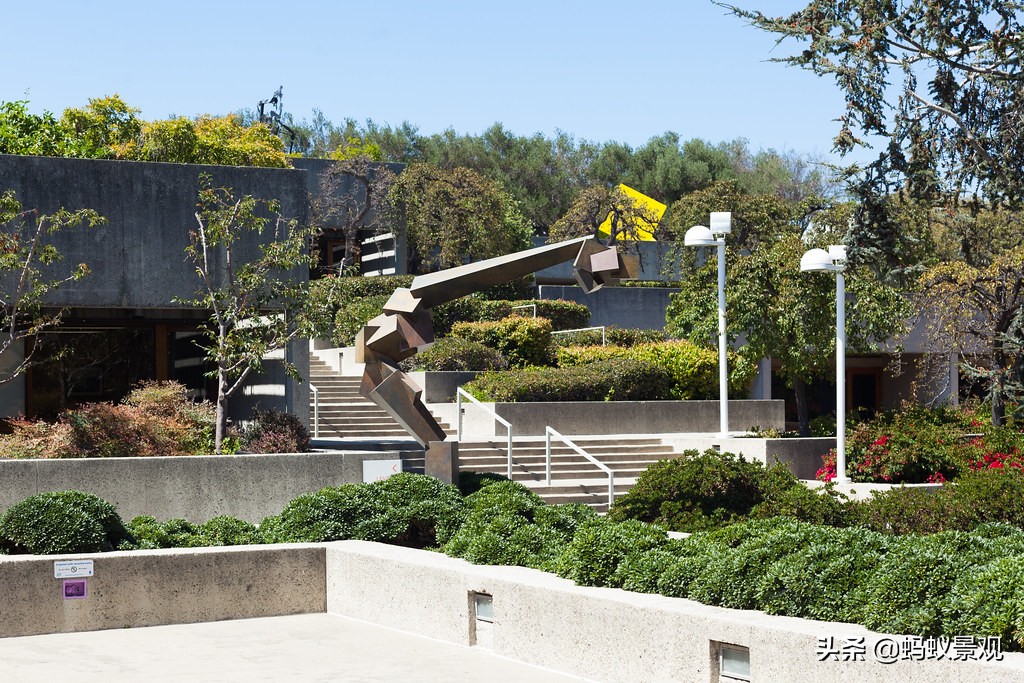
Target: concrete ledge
<point>155,587</point>
<point>194,487</point>
<point>605,634</point>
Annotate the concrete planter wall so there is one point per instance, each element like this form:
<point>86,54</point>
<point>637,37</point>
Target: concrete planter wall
<point>596,633</point>
<point>801,456</point>
<point>614,417</point>
<point>196,487</point>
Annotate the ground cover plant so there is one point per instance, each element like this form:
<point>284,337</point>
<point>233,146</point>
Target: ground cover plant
<point>944,584</point>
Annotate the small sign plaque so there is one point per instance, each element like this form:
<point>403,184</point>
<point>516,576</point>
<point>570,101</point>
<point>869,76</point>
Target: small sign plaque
<point>72,569</point>
<point>375,470</point>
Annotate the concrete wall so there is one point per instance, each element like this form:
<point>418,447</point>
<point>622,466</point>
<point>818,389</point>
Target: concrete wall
<point>155,587</point>
<point>627,307</point>
<point>196,487</point>
<point>604,634</point>
<point>637,417</point>
<point>137,260</point>
<point>596,633</point>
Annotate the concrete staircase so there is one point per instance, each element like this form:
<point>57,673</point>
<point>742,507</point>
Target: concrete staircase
<point>343,412</point>
<point>574,479</point>
<point>346,414</point>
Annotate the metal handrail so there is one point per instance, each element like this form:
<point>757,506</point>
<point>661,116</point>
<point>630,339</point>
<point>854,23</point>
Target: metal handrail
<point>533,306</point>
<point>548,432</point>
<point>316,411</point>
<point>604,338</point>
<point>459,393</point>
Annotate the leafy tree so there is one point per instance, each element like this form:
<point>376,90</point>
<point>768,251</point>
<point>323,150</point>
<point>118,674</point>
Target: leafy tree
<point>22,132</point>
<point>596,204</point>
<point>785,314</point>
<point>28,262</point>
<point>221,140</point>
<point>251,269</point>
<point>353,197</point>
<point>939,82</point>
<point>976,312</point>
<point>107,128</point>
<point>452,216</point>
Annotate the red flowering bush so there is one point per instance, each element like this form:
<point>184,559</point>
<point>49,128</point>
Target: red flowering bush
<point>917,444</point>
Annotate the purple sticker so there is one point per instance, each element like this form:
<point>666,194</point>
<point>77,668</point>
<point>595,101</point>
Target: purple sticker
<point>74,589</point>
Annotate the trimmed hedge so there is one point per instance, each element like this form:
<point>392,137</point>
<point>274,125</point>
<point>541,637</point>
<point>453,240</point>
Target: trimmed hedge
<point>454,353</point>
<point>524,342</point>
<point>564,315</point>
<point>694,369</point>
<point>621,379</point>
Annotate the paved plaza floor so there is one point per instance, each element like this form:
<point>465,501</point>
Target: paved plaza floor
<point>306,647</point>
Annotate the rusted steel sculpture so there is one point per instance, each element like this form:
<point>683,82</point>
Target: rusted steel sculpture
<point>406,325</point>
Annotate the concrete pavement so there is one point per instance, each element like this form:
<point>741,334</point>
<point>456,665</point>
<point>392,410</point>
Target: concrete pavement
<point>305,647</point>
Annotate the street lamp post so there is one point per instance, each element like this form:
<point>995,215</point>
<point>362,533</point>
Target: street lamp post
<point>701,236</point>
<point>834,261</point>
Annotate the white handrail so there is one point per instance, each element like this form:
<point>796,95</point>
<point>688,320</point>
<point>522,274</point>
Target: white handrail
<point>548,431</point>
<point>533,306</point>
<point>316,411</point>
<point>604,338</point>
<point>459,393</point>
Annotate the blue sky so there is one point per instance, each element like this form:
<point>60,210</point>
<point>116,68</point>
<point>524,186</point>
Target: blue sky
<point>600,70</point>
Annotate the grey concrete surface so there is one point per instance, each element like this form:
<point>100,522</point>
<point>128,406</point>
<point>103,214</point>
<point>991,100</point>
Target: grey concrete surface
<point>307,647</point>
<point>194,487</point>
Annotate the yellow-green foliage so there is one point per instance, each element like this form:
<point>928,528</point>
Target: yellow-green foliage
<point>524,342</point>
<point>694,368</point>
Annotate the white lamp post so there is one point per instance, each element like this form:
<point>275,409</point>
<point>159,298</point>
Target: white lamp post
<point>700,236</point>
<point>834,261</point>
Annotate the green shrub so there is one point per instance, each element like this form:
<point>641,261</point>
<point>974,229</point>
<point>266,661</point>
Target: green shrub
<point>62,522</point>
<point>598,548</point>
<point>691,556</point>
<point>909,590</point>
<point>731,578</point>
<point>227,530</point>
<point>694,492</point>
<point>564,315</point>
<point>471,482</point>
<point>353,315</point>
<point>330,514</point>
<point>784,495</point>
<point>621,379</point>
<point>523,341</point>
<point>817,581</point>
<point>613,336</point>
<point>989,495</point>
<point>173,533</point>
<point>454,353</point>
<point>412,510</point>
<point>499,529</point>
<point>642,572</point>
<point>694,369</point>
<point>907,510</point>
<point>330,294</point>
<point>989,601</point>
<point>274,431</point>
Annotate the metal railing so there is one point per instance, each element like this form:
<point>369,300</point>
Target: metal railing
<point>316,411</point>
<point>604,337</point>
<point>549,432</point>
<point>533,306</point>
<point>459,393</point>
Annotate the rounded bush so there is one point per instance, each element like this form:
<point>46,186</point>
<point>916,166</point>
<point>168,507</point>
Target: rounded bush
<point>274,431</point>
<point>452,353</point>
<point>62,522</point>
<point>412,510</point>
<point>330,514</point>
<point>523,341</point>
<point>594,555</point>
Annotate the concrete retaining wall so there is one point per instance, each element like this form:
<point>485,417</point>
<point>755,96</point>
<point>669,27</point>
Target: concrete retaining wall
<point>801,456</point>
<point>197,488</point>
<point>628,307</point>
<point>154,587</point>
<point>597,633</point>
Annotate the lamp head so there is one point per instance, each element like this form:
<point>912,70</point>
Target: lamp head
<point>699,236</point>
<point>816,261</point>
<point>721,222</point>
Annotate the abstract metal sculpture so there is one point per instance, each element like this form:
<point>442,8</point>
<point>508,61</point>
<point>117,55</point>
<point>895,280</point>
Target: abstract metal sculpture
<point>406,325</point>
